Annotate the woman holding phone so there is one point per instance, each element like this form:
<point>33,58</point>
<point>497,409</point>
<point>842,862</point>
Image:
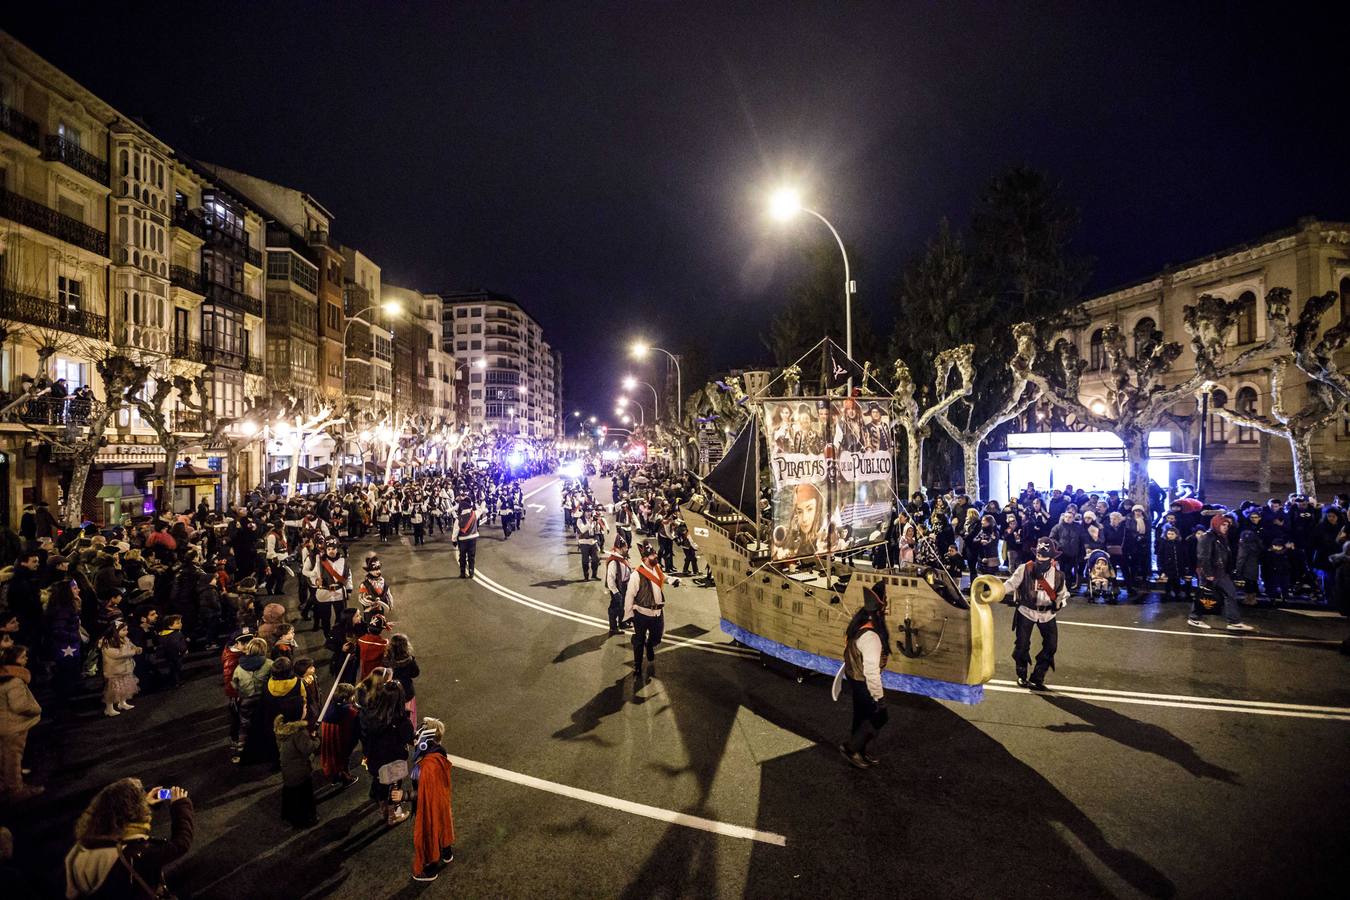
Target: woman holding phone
<point>114,854</point>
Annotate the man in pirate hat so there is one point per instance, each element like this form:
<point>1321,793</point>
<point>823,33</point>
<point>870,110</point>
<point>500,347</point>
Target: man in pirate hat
<point>865,654</point>
<point>618,572</point>
<point>645,603</point>
<point>467,516</point>
<point>1040,592</point>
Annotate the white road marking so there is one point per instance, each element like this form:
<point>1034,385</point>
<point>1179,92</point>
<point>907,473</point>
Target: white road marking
<point>1255,707</point>
<point>1104,695</point>
<point>628,806</point>
<point>1311,613</point>
<point>542,487</point>
<point>538,506</point>
<point>595,621</point>
<point>1216,632</point>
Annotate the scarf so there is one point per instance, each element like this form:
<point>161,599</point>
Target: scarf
<point>657,578</point>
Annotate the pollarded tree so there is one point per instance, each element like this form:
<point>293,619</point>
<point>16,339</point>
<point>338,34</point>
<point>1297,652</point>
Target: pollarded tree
<point>1137,402</point>
<point>914,419</point>
<point>176,401</point>
<point>1313,352</point>
<point>971,435</point>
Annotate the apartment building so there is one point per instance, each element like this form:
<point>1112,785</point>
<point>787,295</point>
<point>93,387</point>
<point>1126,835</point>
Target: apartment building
<point>512,379</point>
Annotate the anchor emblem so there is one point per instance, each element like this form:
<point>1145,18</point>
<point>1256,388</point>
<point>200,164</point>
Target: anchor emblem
<point>910,647</point>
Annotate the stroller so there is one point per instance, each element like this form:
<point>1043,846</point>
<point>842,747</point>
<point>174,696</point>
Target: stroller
<point>1101,577</point>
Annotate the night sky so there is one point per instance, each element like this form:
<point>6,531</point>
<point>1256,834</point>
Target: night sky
<point>607,164</point>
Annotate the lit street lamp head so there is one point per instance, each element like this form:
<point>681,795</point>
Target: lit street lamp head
<point>639,349</point>
<point>629,382</point>
<point>392,307</point>
<point>785,203</point>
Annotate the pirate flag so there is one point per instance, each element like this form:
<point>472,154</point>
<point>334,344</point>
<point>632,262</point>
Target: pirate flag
<point>842,368</point>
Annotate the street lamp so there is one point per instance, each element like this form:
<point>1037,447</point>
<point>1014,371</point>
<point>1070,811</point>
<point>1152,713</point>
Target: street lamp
<point>623,401</point>
<point>639,350</point>
<point>630,383</point>
<point>784,204</point>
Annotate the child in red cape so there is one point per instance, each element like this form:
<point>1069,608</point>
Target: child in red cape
<point>434,828</point>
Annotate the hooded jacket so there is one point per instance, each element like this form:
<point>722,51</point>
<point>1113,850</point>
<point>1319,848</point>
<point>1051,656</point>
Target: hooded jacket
<point>250,676</point>
<point>296,749</point>
<point>19,709</point>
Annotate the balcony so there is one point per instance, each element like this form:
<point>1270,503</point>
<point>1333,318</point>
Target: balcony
<point>252,365</point>
<point>188,279</point>
<point>75,157</point>
<point>228,296</point>
<point>226,241</point>
<point>46,313</point>
<point>15,123</point>
<point>323,239</point>
<point>190,221</point>
<point>60,412</point>
<point>42,218</point>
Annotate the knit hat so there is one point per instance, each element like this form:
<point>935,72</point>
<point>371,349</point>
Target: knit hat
<point>1214,522</point>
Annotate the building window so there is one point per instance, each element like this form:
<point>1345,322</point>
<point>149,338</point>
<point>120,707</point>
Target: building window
<point>75,373</point>
<point>1145,337</point>
<point>1097,351</point>
<point>477,311</point>
<point>476,345</point>
<point>1246,318</point>
<point>1246,403</point>
<point>475,328</point>
<point>1218,425</point>
<point>69,293</point>
<point>462,312</point>
<point>462,345</point>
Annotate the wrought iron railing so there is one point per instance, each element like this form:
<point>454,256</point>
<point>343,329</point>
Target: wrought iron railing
<point>182,276</point>
<point>228,296</point>
<point>252,365</point>
<point>47,220</point>
<point>20,126</point>
<point>70,412</point>
<point>76,157</point>
<point>47,313</point>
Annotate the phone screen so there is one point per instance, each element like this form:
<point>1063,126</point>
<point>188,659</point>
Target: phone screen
<point>162,793</point>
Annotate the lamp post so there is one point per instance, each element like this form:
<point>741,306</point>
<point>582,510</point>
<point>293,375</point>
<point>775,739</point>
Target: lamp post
<point>784,205</point>
<point>621,402</point>
<point>629,383</point>
<point>639,351</point>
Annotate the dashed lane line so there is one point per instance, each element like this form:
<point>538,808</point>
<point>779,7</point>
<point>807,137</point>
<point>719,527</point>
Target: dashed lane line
<point>638,809</point>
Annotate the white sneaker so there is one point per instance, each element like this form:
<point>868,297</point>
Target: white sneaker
<point>1240,626</point>
<point>1198,623</point>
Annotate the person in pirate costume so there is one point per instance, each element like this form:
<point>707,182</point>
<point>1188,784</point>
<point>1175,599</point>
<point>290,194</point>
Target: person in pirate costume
<point>327,572</point>
<point>618,572</point>
<point>586,528</point>
<point>467,516</point>
<point>865,655</point>
<point>373,596</point>
<point>645,603</point>
<point>623,520</point>
<point>1040,591</point>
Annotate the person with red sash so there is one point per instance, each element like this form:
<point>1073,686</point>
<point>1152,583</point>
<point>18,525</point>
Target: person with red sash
<point>1039,592</point>
<point>618,572</point>
<point>467,514</point>
<point>645,603</point>
<point>328,574</point>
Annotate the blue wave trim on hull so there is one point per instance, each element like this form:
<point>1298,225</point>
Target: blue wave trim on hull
<point>910,684</point>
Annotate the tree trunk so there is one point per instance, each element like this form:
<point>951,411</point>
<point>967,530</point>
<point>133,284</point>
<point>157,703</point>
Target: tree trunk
<point>1263,464</point>
<point>1136,459</point>
<point>1300,447</point>
<point>170,475</point>
<point>294,474</point>
<point>970,464</point>
<point>73,512</point>
<point>914,446</point>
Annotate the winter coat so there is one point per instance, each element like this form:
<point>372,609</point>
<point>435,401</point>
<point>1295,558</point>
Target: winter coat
<point>251,675</point>
<point>273,618</point>
<point>92,869</point>
<point>1173,560</point>
<point>63,633</point>
<point>1070,537</point>
<point>119,660</point>
<point>19,709</point>
<point>1248,555</point>
<point>405,670</point>
<point>283,697</point>
<point>229,661</point>
<point>296,749</point>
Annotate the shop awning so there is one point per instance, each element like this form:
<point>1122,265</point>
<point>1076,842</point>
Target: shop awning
<point>303,475</point>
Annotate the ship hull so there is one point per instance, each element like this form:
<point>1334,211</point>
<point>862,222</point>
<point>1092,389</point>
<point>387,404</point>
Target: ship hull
<point>942,645</point>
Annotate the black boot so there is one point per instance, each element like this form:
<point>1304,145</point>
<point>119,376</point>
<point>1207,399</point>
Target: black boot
<point>1038,679</point>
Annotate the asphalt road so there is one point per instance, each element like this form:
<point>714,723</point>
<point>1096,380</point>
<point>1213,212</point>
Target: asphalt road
<point>1166,762</point>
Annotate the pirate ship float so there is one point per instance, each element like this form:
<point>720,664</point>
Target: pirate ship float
<point>789,578</point>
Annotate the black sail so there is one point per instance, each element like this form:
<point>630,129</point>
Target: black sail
<point>734,479</point>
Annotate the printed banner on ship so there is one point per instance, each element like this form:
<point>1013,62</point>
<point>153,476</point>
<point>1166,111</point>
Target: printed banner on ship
<point>831,462</point>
